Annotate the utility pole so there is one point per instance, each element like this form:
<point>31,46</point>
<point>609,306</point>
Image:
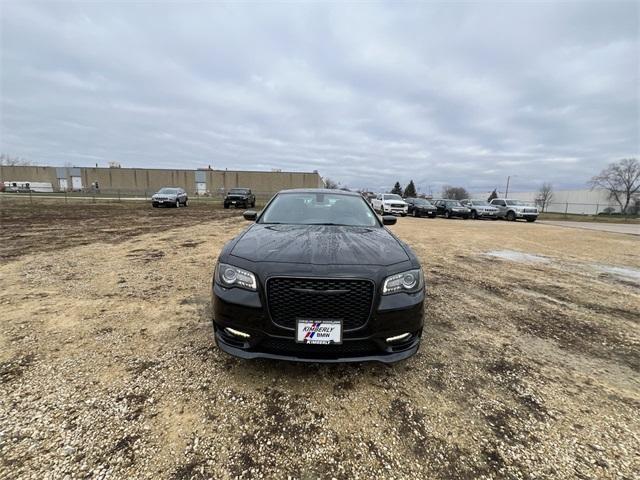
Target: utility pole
<point>506,192</point>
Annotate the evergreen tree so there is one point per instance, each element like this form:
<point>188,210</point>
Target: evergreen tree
<point>397,189</point>
<point>410,191</point>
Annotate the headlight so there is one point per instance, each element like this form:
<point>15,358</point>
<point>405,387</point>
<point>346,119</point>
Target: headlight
<point>408,282</point>
<point>230,276</point>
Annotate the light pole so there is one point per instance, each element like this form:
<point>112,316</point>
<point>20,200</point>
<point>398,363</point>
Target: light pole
<point>506,192</point>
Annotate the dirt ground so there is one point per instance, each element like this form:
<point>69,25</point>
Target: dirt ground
<point>528,369</point>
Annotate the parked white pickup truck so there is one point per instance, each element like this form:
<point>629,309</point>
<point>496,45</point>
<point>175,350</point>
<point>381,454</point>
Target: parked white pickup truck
<point>389,204</point>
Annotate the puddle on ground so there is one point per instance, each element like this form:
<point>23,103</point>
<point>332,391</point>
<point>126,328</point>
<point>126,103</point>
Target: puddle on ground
<point>520,257</point>
<point>624,273</point>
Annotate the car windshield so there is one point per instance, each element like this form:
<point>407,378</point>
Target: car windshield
<point>393,196</point>
<point>454,203</point>
<point>310,208</point>
<point>515,202</point>
<point>241,191</point>
<point>169,191</point>
<point>421,201</point>
<point>479,202</point>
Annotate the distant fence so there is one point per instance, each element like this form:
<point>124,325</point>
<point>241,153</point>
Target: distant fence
<point>584,208</point>
<point>118,195</point>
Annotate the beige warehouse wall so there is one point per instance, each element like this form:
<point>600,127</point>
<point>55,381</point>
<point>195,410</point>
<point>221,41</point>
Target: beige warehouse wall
<point>132,180</point>
<point>28,174</point>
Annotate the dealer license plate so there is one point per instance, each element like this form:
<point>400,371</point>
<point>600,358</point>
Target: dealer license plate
<point>319,332</point>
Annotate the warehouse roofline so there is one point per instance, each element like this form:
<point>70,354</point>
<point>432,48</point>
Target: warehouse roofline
<point>313,172</point>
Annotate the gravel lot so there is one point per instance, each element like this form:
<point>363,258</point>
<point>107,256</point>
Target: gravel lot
<point>528,369</point>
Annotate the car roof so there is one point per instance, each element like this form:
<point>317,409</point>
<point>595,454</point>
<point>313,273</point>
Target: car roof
<point>320,190</point>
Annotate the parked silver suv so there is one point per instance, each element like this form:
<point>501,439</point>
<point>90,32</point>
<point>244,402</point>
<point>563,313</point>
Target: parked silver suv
<point>170,196</point>
<point>480,209</point>
<point>514,209</point>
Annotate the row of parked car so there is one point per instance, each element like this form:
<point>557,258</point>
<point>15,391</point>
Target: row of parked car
<point>177,197</point>
<point>504,208</point>
<point>384,203</point>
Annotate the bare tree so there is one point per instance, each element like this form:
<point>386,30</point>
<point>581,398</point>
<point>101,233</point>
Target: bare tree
<point>11,161</point>
<point>493,195</point>
<point>545,195</point>
<point>621,180</point>
<point>454,193</point>
<point>331,184</point>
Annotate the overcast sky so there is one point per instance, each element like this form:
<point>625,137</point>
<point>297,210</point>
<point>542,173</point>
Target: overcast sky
<point>366,93</point>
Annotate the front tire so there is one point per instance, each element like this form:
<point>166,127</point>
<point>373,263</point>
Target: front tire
<point>226,205</point>
<point>447,214</point>
<point>177,205</point>
<point>474,215</point>
<point>415,212</point>
<point>403,214</point>
<point>511,216</point>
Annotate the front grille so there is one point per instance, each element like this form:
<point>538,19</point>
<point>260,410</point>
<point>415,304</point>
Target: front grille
<point>339,299</point>
<point>348,348</point>
<point>397,205</point>
<point>530,210</point>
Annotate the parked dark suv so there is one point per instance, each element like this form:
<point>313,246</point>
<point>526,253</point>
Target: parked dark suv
<point>318,278</point>
<point>452,208</point>
<point>240,197</point>
<point>419,207</point>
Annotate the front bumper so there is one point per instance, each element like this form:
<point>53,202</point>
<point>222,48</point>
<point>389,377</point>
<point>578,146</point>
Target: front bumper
<point>242,310</point>
<point>460,213</point>
<point>427,212</point>
<point>236,201</point>
<point>487,214</point>
<point>526,215</point>
<point>395,210</point>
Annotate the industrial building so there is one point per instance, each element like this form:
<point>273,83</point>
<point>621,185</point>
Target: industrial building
<point>138,181</point>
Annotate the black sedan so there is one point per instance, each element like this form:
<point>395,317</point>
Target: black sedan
<point>318,278</point>
<point>452,208</point>
<point>419,207</point>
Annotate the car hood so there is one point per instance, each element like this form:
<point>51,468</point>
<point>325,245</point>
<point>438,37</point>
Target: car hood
<point>319,245</point>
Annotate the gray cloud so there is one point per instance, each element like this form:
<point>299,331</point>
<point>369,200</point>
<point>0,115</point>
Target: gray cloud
<point>365,93</point>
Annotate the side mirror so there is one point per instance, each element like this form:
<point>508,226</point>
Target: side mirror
<point>250,215</point>
<point>389,220</point>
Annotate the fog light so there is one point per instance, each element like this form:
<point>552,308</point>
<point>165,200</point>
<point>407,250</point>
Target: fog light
<point>399,338</point>
<point>236,333</point>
